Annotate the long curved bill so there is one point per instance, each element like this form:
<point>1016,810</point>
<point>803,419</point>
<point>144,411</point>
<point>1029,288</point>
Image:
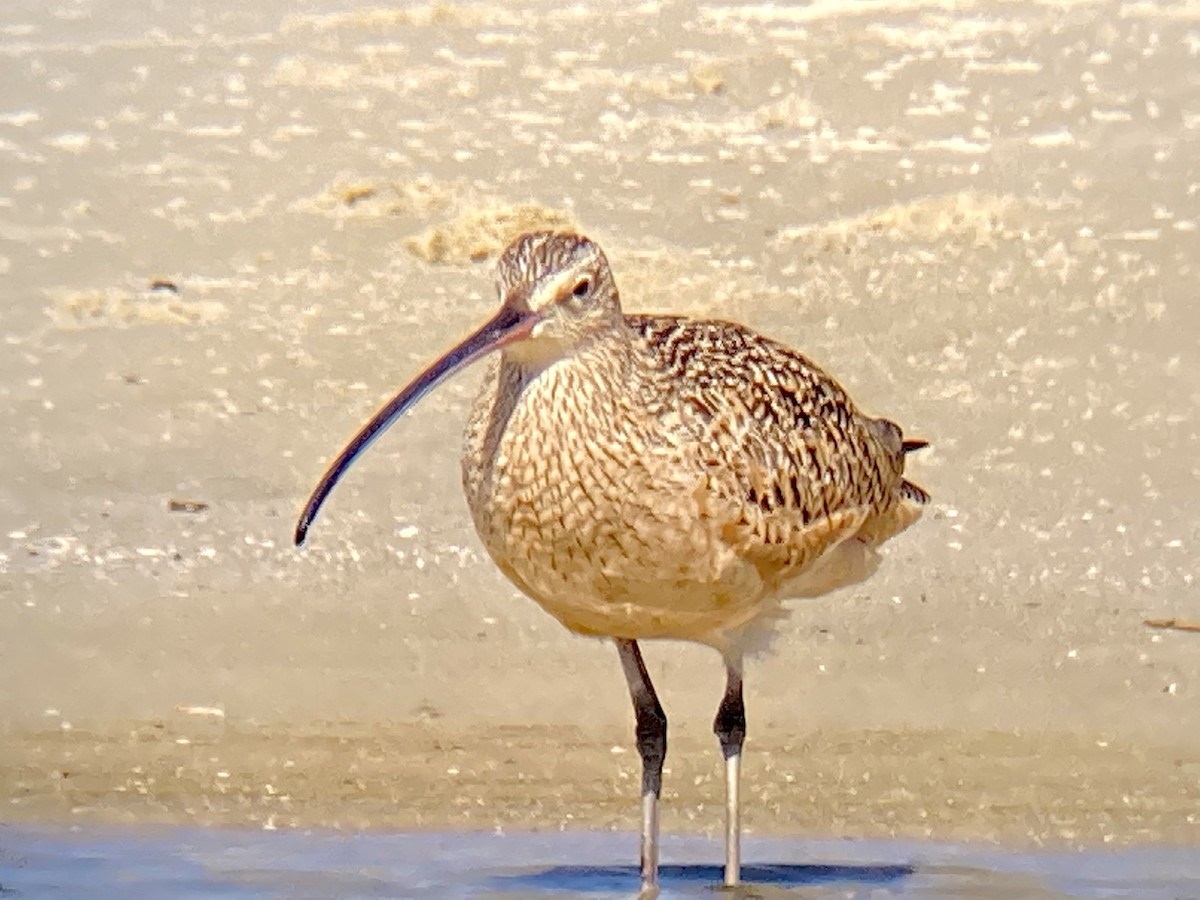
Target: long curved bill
<point>507,326</point>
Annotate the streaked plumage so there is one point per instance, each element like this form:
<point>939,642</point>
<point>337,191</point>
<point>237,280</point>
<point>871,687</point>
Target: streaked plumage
<point>659,477</point>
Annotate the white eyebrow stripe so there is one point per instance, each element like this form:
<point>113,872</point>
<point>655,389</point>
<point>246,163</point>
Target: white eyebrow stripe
<point>551,289</point>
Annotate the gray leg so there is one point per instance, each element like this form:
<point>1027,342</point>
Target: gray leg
<point>730,729</point>
<point>652,745</point>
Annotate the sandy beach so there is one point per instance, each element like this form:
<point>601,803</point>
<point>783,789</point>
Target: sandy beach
<point>228,232</point>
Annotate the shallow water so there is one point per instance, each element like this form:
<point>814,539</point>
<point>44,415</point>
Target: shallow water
<point>238,863</point>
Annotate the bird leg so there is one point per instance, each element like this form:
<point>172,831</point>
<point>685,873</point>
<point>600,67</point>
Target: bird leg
<point>652,746</point>
<point>730,729</point>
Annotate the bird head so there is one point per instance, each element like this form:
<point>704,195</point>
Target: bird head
<point>562,284</point>
<point>556,293</point>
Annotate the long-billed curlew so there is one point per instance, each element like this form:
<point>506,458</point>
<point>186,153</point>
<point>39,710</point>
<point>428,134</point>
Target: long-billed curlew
<point>658,477</point>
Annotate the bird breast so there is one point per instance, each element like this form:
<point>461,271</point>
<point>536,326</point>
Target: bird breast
<point>592,513</point>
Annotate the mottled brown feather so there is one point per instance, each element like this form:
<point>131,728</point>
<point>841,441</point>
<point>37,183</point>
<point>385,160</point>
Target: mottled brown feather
<point>672,477</point>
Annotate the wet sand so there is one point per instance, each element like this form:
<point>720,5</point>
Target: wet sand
<point>949,785</point>
<point>226,235</point>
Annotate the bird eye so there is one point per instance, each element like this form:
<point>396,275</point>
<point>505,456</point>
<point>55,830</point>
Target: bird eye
<point>582,288</point>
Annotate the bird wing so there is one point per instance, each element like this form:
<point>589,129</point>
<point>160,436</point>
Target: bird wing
<point>792,468</point>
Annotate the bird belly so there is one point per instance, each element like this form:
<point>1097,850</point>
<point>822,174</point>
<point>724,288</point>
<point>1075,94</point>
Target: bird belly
<point>607,593</point>
<point>609,540</point>
<point>617,567</point>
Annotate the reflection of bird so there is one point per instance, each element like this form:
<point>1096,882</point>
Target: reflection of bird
<point>658,477</point>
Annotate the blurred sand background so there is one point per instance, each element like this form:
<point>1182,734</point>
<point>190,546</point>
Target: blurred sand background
<point>981,217</point>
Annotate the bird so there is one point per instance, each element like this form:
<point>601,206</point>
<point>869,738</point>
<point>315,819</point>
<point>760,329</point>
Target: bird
<point>647,477</point>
